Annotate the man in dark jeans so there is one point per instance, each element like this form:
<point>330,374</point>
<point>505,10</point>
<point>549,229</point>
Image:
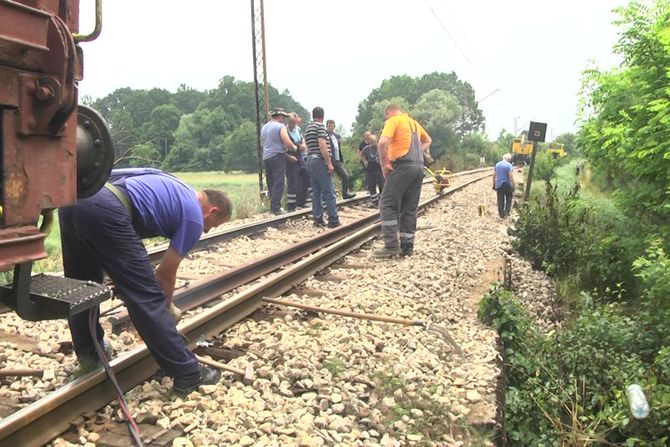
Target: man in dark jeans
<point>320,171</point>
<point>103,233</point>
<point>503,183</point>
<point>338,161</point>
<point>275,141</point>
<point>297,176</point>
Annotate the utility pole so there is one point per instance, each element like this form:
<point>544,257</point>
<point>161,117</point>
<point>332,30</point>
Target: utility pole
<point>260,79</point>
<point>515,126</point>
<point>463,127</point>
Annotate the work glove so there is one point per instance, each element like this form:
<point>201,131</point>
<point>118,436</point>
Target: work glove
<point>175,312</point>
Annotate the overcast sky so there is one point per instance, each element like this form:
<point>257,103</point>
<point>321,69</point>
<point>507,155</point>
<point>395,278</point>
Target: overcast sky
<point>524,58</point>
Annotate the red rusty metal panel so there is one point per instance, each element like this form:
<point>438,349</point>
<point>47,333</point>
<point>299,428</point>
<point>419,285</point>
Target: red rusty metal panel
<point>23,26</point>
<point>19,245</point>
<point>9,87</point>
<point>39,171</point>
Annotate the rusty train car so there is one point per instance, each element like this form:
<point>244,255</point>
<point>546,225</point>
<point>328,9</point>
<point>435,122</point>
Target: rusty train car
<point>52,150</point>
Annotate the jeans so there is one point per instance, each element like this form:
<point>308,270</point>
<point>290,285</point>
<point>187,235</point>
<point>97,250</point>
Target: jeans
<point>342,173</point>
<point>505,193</point>
<point>97,234</point>
<point>323,190</point>
<point>275,173</point>
<point>374,178</point>
<point>297,181</point>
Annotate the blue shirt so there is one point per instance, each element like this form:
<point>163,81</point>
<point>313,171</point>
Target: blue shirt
<point>503,170</point>
<point>271,139</point>
<point>295,135</point>
<point>165,206</point>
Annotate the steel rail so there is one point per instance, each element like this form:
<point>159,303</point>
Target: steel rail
<point>156,253</point>
<point>47,418</point>
<point>197,294</point>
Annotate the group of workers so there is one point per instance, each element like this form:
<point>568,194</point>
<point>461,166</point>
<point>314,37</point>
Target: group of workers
<point>286,155</point>
<point>104,233</point>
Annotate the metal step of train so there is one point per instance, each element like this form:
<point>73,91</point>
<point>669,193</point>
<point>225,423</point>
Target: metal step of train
<point>52,297</point>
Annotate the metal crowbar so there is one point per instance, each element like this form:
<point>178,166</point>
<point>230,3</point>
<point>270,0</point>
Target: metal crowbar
<point>427,325</point>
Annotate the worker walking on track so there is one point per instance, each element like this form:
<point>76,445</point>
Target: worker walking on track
<point>401,147</point>
<point>503,184</point>
<point>104,233</point>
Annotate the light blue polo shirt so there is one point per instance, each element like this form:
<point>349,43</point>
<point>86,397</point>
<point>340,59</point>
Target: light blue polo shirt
<point>503,170</point>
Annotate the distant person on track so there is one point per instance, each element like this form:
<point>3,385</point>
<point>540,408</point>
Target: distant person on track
<point>103,233</point>
<point>374,178</point>
<point>275,142</point>
<point>401,149</point>
<point>297,177</point>
<point>335,144</point>
<point>503,184</point>
<point>321,170</point>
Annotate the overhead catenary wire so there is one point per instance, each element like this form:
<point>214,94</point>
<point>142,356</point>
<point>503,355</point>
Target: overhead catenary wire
<point>485,75</point>
<point>453,40</point>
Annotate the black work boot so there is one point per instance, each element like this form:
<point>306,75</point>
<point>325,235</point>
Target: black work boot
<point>386,252</point>
<point>206,376</point>
<point>407,248</point>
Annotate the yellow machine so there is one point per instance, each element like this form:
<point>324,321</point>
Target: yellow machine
<point>556,150</point>
<point>521,150</point>
<point>442,179</point>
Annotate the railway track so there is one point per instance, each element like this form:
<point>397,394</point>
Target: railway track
<point>48,417</point>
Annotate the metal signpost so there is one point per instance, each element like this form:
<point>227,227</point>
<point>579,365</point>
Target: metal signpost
<point>536,134</point>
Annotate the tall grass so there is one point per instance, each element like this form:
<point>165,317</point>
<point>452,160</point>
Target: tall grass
<point>241,188</point>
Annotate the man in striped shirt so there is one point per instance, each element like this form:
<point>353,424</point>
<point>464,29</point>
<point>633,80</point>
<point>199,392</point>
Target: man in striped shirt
<point>320,169</point>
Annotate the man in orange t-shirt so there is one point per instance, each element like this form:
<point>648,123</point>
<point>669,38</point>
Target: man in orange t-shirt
<point>401,148</point>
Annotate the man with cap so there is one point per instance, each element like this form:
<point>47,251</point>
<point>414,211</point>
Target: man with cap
<point>275,140</point>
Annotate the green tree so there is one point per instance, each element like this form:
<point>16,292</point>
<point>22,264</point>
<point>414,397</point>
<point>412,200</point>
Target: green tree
<point>376,123</point>
<point>570,141</point>
<point>438,112</point>
<point>626,115</point>
<point>240,148</point>
<point>187,99</point>
<point>411,89</point>
<point>504,142</point>
<point>145,154</point>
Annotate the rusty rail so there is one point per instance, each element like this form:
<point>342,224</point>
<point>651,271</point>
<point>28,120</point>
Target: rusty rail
<point>47,418</point>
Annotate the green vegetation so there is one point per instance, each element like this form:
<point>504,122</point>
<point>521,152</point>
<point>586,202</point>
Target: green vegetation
<point>334,365</point>
<point>188,130</point>
<point>605,241</point>
<point>214,130</point>
<point>568,388</point>
<point>626,117</point>
<point>446,107</point>
<point>241,188</point>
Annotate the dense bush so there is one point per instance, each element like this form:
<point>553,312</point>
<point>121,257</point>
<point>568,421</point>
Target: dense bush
<point>570,236</point>
<point>568,388</point>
